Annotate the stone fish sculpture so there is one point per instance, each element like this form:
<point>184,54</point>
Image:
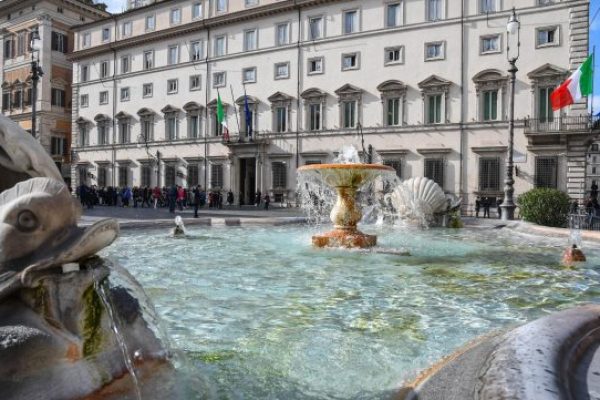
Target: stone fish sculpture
<point>59,317</point>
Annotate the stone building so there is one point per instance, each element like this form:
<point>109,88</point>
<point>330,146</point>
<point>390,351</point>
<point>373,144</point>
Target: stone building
<point>52,19</point>
<point>424,81</point>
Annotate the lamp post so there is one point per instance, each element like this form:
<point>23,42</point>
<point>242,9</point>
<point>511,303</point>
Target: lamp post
<point>513,28</point>
<point>156,158</point>
<point>36,73</point>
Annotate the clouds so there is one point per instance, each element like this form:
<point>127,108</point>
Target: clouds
<point>115,6</point>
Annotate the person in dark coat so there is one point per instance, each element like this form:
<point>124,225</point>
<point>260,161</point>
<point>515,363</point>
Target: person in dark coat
<point>477,206</point>
<point>230,198</point>
<point>267,201</point>
<point>486,207</point>
<point>498,204</point>
<point>172,197</point>
<point>197,199</point>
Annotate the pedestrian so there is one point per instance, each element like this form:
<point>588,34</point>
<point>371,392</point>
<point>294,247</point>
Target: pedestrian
<point>180,197</point>
<point>257,198</point>
<point>267,201</point>
<point>156,193</point>
<point>230,198</point>
<point>486,207</point>
<point>172,197</point>
<point>477,206</point>
<point>498,203</point>
<point>197,197</point>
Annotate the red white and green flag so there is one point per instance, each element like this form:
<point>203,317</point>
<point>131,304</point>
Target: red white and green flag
<point>221,118</point>
<point>579,84</point>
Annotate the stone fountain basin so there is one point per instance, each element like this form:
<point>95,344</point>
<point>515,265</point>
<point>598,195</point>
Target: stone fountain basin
<point>346,175</point>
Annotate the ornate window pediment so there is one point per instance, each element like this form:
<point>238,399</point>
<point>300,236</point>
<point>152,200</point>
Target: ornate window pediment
<point>122,115</point>
<point>100,118</point>
<point>82,121</point>
<point>314,94</point>
<point>279,97</point>
<point>490,78</point>
<point>392,88</point>
<point>213,104</point>
<point>548,74</point>
<point>6,85</point>
<point>434,83</point>
<point>349,92</point>
<point>251,100</point>
<point>192,106</point>
<point>145,112</point>
<point>169,109</point>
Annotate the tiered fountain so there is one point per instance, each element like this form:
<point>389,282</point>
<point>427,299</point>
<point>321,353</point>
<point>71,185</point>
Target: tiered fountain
<point>346,179</point>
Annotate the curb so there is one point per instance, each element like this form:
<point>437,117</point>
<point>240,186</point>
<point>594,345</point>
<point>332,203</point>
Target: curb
<point>212,221</point>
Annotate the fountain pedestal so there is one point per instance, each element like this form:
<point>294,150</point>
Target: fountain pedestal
<point>346,179</point>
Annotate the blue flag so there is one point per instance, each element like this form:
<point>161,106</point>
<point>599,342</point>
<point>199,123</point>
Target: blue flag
<point>248,117</point>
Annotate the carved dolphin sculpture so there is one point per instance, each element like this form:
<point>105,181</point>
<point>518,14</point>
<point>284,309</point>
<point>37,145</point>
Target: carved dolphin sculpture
<point>38,231</point>
<point>21,156</point>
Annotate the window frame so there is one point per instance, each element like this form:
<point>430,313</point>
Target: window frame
<point>309,31</point>
<point>355,29</point>
<point>199,86</point>
<point>103,93</point>
<point>222,84</point>
<point>428,12</point>
<point>386,52</point>
<point>201,13</point>
<point>147,85</point>
<point>356,66</point>
<point>124,94</point>
<point>320,59</point>
<point>105,29</point>
<point>276,65</point>
<point>145,59</point>
<point>170,48</point>
<point>128,58</point>
<point>199,44</point>
<point>124,29</point>
<point>547,28</point>
<point>399,17</point>
<point>483,38</point>
<point>253,46</point>
<point>172,20</point>
<point>82,103</point>
<point>287,26</point>
<point>215,48</point>
<point>150,17</point>
<point>248,69</point>
<point>442,44</point>
<point>169,83</point>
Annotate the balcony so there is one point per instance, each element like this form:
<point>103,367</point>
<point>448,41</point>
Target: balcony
<point>563,124</point>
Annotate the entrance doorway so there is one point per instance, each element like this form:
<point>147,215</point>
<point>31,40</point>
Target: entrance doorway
<point>247,180</point>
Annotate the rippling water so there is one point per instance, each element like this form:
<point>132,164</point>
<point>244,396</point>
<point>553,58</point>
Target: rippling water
<point>260,314</point>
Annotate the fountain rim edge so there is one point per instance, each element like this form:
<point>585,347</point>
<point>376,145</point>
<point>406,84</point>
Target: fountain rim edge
<point>378,167</point>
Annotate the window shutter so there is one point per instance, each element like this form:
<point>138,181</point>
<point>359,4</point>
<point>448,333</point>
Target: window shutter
<point>54,42</point>
<point>65,48</point>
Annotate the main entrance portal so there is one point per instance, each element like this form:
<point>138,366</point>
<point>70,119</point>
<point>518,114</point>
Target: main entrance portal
<point>247,180</point>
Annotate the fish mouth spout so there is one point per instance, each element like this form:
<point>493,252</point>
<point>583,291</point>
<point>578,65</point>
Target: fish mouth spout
<point>72,245</point>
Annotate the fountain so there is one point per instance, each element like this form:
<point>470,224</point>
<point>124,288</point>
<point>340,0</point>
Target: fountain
<point>346,178</point>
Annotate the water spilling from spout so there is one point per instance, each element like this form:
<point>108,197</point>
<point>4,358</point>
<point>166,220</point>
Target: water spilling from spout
<point>101,290</point>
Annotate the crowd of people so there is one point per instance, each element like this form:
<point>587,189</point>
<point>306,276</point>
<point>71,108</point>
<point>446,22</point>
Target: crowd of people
<point>173,197</point>
<point>485,204</point>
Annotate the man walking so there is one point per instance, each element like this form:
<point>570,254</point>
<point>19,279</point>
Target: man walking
<point>197,199</point>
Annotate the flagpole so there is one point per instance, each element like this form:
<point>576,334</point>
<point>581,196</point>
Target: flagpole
<point>249,130</point>
<point>592,100</point>
<point>237,118</point>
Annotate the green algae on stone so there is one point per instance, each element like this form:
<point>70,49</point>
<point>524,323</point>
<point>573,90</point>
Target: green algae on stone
<point>212,356</point>
<point>92,322</point>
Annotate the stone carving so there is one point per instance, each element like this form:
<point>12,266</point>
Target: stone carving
<point>65,332</point>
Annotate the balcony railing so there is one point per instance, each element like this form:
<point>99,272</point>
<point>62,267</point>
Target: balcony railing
<point>562,124</point>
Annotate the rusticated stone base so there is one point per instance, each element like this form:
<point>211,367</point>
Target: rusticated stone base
<point>344,238</point>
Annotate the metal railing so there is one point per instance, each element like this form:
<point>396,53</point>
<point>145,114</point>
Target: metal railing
<point>577,123</point>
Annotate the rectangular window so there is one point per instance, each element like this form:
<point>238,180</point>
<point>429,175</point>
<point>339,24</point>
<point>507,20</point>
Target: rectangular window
<point>434,170</point>
<point>173,57</point>
<point>84,100</point>
<point>21,42</point>
<point>489,174</point>
<point>350,21</point>
<point>545,113</point>
<point>104,69</point>
<point>124,131</point>
<point>393,16</point>
<point>546,172</point>
<point>279,175</point>
<point>192,175</point>
<point>194,126</point>
<point>147,89</point>
<point>57,145</point>
<point>103,97</point>
<point>349,61</point>
<point>219,79</point>
<point>175,16</point>
<point>250,3</point>
<point>148,59</point>
<point>105,34</point>
<point>172,86</point>
<point>393,55</point>
<point>196,10</point>
<point>59,42</point>
<point>102,133</point>
<point>123,176</point>
<point>396,164</point>
<point>171,127</point>
<point>349,114</point>
<point>170,174</point>
<point>249,75</point>
<point>282,32</point>
<point>196,50</point>
<point>9,48</point>
<point>127,29</point>
<point>315,65</point>
<point>84,73</point>
<point>150,22</point>
<point>488,6</point>
<point>195,82</point>
<point>125,94</point>
<point>314,116</point>
<point>281,119</point>
<point>490,105</point>
<point>125,61</point>
<point>250,40</point>
<point>217,127</point>
<point>83,135</point>
<point>315,28</point>
<point>5,101</point>
<point>282,70</point>
<point>221,5</point>
<point>393,112</point>
<point>434,109</point>
<point>102,176</point>
<point>216,176</point>
<point>86,40</point>
<point>58,97</point>
<point>219,46</point>
<point>148,128</point>
<point>547,36</point>
<point>434,10</point>
<point>434,51</point>
<point>146,175</point>
<point>490,44</point>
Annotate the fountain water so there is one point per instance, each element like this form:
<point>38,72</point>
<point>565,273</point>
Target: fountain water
<point>346,177</point>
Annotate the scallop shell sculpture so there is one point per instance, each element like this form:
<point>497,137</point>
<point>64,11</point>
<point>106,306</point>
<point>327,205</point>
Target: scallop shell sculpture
<point>417,200</point>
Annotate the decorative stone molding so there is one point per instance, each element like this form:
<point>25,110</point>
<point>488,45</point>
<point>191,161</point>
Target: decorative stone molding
<point>434,85</point>
<point>491,80</point>
<point>278,100</point>
<point>146,112</point>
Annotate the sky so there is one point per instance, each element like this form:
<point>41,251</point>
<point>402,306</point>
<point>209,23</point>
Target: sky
<point>119,5</point>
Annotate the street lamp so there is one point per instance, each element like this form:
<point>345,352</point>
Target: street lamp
<point>156,158</point>
<point>513,28</point>
<point>36,73</point>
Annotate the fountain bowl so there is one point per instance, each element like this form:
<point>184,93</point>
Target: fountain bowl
<point>346,179</point>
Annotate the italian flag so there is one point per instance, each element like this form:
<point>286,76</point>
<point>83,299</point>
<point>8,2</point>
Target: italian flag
<point>573,89</point>
<point>221,118</point>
